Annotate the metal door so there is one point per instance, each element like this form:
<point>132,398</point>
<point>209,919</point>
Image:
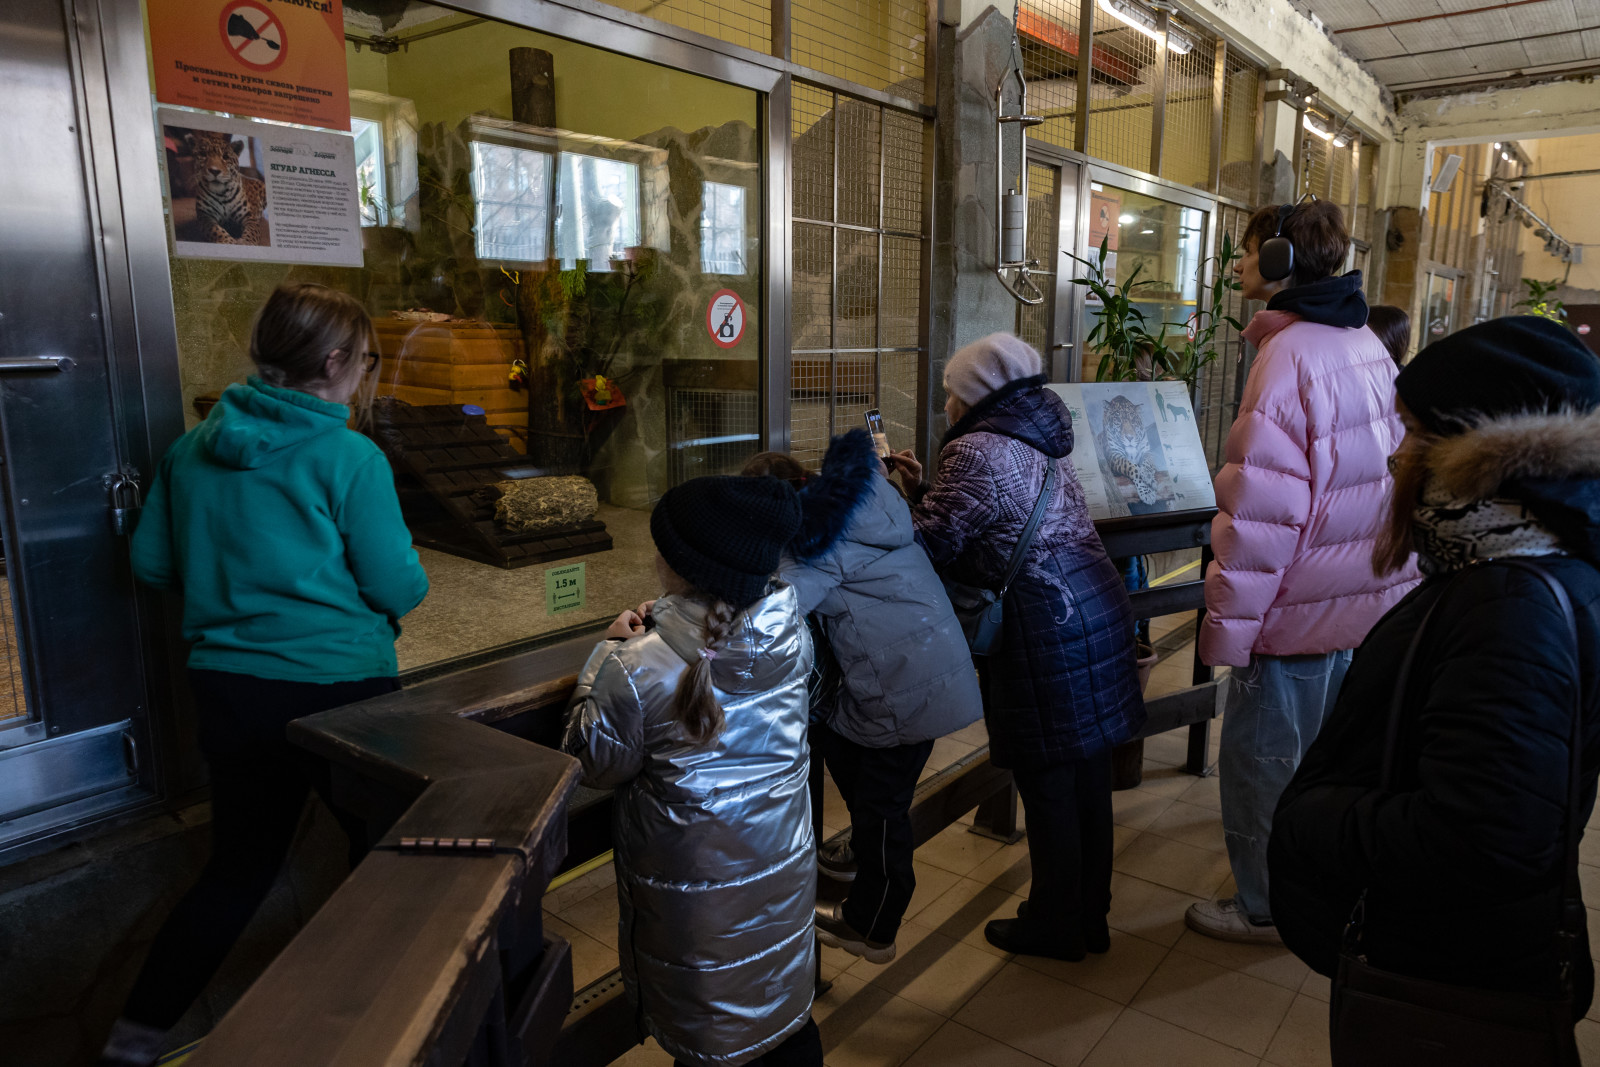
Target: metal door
<point>72,685</point>
<point>1052,231</point>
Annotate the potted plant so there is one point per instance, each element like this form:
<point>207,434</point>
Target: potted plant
<point>1541,300</point>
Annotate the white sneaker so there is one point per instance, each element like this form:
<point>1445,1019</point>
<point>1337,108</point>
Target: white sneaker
<point>1223,920</point>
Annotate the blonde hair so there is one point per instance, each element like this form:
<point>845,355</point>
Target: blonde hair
<point>695,703</point>
<point>300,326</point>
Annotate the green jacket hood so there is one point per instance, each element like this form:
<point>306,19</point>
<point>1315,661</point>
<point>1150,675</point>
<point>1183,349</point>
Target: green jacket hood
<point>254,422</point>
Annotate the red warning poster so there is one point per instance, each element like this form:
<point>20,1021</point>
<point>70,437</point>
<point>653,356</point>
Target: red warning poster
<point>271,59</point>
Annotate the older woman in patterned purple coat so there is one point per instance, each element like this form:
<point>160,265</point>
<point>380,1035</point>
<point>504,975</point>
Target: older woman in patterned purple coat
<point>1062,689</point>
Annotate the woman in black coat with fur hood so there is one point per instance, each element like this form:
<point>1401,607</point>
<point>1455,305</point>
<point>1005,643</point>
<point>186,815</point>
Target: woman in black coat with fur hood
<point>1462,858</point>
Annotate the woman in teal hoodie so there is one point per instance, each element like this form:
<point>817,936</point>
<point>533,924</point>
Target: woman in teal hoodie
<point>280,527</point>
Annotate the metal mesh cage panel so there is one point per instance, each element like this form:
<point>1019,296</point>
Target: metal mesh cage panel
<point>1339,190</point>
<point>877,43</point>
<point>1240,87</point>
<point>811,292</point>
<point>902,172</point>
<point>1361,227</point>
<point>747,23</point>
<point>1033,322</point>
<point>1120,104</point>
<point>713,431</point>
<point>857,289</point>
<point>860,176</point>
<point>901,300</point>
<point>1051,43</point>
<point>1186,136</point>
<point>858,280</point>
<point>811,126</point>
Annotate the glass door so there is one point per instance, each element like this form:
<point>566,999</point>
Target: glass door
<point>1155,238</point>
<point>1052,232</point>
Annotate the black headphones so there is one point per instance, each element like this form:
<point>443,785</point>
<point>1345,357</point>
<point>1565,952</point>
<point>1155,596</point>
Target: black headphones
<point>1275,259</point>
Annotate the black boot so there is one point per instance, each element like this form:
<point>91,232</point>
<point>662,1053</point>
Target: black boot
<point>1023,938</point>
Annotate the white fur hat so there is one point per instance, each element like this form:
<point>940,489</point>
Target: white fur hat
<point>989,363</point>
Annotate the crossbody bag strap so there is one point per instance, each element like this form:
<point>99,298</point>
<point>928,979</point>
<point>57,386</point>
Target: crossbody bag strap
<point>1021,551</point>
<point>1397,697</point>
<point>1573,917</point>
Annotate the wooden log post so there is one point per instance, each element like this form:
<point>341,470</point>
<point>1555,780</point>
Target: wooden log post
<point>555,435</point>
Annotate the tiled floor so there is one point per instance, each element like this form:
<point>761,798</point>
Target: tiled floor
<point>1163,996</point>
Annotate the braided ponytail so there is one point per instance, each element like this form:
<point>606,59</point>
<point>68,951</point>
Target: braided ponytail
<point>695,704</point>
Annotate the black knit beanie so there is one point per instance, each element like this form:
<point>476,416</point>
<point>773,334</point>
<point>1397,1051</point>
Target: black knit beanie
<point>725,535</point>
<point>1510,366</point>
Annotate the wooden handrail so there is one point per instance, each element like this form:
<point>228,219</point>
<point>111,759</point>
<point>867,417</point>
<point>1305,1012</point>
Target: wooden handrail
<point>424,953</point>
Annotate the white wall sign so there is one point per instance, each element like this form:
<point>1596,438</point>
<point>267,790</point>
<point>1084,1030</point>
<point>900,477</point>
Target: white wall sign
<point>241,189</point>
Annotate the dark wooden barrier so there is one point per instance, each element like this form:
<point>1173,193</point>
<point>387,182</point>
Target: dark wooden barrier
<point>432,951</point>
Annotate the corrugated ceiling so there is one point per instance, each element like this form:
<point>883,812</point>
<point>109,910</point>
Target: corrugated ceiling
<point>1411,45</point>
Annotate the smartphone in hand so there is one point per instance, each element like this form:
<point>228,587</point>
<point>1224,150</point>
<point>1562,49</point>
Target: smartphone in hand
<point>880,440</point>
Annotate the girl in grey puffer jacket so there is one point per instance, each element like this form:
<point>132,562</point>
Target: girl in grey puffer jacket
<point>697,718</point>
<point>906,675</point>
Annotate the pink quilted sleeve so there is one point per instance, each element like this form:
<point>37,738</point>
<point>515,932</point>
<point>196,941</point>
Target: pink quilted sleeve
<point>1263,502</point>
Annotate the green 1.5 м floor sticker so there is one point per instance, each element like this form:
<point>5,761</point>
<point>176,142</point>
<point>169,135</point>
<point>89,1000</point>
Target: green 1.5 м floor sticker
<point>564,588</point>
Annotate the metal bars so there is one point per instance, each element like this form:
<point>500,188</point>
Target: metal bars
<point>1122,102</point>
<point>881,44</point>
<point>1189,113</point>
<point>859,256</point>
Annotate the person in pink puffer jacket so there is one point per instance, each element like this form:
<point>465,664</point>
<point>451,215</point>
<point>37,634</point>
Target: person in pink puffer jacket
<point>1300,501</point>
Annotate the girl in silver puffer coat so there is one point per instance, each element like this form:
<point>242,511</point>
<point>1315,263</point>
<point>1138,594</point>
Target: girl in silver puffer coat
<point>694,710</point>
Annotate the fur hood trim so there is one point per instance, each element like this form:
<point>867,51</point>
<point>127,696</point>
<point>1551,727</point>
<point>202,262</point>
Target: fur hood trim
<point>829,500</point>
<point>1477,464</point>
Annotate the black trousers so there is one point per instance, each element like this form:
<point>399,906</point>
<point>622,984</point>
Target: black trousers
<point>803,1048</point>
<point>1068,809</point>
<point>877,785</point>
<point>259,784</point>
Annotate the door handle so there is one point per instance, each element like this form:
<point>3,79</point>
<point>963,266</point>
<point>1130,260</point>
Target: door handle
<point>1063,344</point>
<point>22,363</point>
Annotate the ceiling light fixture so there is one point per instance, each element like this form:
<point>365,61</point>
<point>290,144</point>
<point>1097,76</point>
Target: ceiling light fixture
<point>1126,219</point>
<point>1316,128</point>
<point>1142,19</point>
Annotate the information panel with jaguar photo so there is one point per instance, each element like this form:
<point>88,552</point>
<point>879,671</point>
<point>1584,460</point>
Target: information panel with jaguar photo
<point>1137,448</point>
<point>242,189</point>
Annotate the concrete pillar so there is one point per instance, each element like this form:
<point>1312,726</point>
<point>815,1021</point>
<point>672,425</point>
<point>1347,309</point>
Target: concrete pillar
<point>968,300</point>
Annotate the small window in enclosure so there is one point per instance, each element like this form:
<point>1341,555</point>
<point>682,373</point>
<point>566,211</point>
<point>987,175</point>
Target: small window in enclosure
<point>511,187</point>
<point>370,172</point>
<point>722,229</point>
<point>598,214</point>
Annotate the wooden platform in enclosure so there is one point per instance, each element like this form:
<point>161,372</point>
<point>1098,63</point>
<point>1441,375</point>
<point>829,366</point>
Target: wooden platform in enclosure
<point>445,464</point>
<point>455,363</point>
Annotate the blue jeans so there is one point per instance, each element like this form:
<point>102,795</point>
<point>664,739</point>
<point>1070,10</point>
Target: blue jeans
<point>1271,713</point>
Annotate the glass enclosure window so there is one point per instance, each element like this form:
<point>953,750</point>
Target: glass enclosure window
<point>1156,243</point>
<point>722,229</point>
<point>543,266</point>
<point>370,172</point>
<point>511,194</point>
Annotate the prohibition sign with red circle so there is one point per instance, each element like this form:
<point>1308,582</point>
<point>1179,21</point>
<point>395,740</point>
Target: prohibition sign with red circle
<point>725,318</point>
<point>250,51</point>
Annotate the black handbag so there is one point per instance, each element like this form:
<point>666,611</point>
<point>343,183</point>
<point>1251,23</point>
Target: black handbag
<point>981,610</point>
<point>1382,1019</point>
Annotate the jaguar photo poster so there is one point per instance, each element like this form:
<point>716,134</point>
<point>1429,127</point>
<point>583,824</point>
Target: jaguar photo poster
<point>240,189</point>
<point>1138,449</point>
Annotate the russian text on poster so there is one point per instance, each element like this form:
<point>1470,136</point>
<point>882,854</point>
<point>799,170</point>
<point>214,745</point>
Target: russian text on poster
<point>282,60</point>
<point>249,190</point>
